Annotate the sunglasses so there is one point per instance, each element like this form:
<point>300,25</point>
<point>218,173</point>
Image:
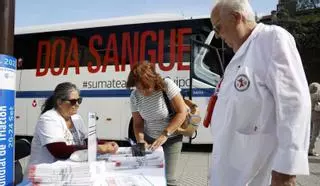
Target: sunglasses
<point>74,101</point>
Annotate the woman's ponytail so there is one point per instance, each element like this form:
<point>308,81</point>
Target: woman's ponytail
<point>48,104</point>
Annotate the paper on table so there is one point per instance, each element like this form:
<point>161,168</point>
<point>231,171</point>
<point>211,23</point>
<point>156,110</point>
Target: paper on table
<point>103,173</point>
<point>126,180</point>
<point>67,172</point>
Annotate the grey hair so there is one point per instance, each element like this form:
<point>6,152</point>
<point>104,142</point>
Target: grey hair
<point>314,87</point>
<point>241,6</point>
<point>61,92</point>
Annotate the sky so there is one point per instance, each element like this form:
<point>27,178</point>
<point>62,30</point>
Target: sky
<point>43,12</point>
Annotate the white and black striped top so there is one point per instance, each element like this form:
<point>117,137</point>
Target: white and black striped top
<point>153,108</point>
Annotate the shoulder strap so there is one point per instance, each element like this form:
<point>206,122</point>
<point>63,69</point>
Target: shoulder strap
<point>167,101</point>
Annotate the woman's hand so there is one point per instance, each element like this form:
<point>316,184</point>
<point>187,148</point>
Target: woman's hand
<point>108,147</point>
<point>160,141</point>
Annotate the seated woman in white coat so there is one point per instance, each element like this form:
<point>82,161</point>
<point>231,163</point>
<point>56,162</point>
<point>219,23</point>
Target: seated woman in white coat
<point>60,131</point>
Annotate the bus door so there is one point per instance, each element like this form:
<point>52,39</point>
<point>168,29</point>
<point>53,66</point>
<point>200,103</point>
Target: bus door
<point>208,64</point>
<point>206,70</point>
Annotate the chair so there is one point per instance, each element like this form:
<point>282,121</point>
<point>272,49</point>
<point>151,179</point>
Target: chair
<point>22,150</point>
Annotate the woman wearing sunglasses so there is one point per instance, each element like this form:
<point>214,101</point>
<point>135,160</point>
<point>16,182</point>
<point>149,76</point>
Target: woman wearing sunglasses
<point>60,130</point>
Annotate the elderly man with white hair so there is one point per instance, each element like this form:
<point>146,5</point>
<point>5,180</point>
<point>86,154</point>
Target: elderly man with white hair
<point>261,120</point>
<point>315,116</point>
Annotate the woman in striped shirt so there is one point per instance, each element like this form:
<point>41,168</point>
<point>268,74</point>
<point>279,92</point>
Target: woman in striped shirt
<point>152,123</point>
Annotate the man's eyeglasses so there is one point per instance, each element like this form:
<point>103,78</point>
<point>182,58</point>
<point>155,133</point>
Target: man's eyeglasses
<point>216,28</point>
<point>74,101</point>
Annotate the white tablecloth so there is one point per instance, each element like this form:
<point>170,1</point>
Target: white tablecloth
<point>125,176</point>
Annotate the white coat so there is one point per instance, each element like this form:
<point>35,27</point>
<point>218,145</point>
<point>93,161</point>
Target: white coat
<point>261,121</point>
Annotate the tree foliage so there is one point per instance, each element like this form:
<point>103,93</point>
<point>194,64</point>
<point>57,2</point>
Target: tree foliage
<point>305,27</point>
<point>307,4</point>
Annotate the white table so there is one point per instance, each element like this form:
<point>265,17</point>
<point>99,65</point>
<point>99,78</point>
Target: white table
<point>145,175</point>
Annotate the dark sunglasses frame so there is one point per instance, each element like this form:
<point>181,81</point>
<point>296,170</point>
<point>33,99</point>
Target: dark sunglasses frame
<point>216,28</point>
<point>74,101</point>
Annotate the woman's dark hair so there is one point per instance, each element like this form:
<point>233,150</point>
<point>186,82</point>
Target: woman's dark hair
<point>61,92</point>
<point>145,74</point>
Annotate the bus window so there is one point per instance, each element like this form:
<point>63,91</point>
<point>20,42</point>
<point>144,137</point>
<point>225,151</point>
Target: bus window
<point>187,44</point>
<point>207,64</point>
<point>211,57</point>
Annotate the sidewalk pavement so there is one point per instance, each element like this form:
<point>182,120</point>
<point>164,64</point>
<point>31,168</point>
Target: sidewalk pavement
<point>314,178</point>
<point>193,167</point>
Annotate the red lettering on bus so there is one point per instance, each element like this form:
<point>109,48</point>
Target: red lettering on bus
<point>126,47</point>
<point>94,68</point>
<point>161,49</point>
<point>73,57</point>
<point>59,56</point>
<point>151,52</point>
<point>172,50</point>
<point>183,47</point>
<point>43,45</point>
<point>57,44</point>
<point>111,46</point>
<point>136,49</point>
<point>153,55</point>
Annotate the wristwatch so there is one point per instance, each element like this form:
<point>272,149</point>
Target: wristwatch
<point>166,133</point>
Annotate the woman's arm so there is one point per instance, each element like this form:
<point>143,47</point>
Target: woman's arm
<point>180,113</point>
<point>60,150</point>
<point>179,117</point>
<point>138,127</point>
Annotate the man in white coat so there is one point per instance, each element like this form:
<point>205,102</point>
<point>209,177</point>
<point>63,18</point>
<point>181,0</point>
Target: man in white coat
<point>261,120</point>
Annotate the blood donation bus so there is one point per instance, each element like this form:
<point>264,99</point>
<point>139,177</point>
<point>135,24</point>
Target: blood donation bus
<point>98,55</point>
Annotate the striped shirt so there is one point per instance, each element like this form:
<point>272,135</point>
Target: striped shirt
<point>153,108</point>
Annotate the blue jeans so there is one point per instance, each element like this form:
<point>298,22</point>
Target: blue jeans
<point>172,150</point>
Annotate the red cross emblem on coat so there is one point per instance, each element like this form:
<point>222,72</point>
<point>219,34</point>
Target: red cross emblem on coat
<point>242,82</point>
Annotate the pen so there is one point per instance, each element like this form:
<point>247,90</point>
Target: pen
<point>132,143</point>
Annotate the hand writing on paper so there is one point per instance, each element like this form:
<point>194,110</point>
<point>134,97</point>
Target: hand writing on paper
<point>160,141</point>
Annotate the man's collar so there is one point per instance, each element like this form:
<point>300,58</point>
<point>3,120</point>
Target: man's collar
<point>251,37</point>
